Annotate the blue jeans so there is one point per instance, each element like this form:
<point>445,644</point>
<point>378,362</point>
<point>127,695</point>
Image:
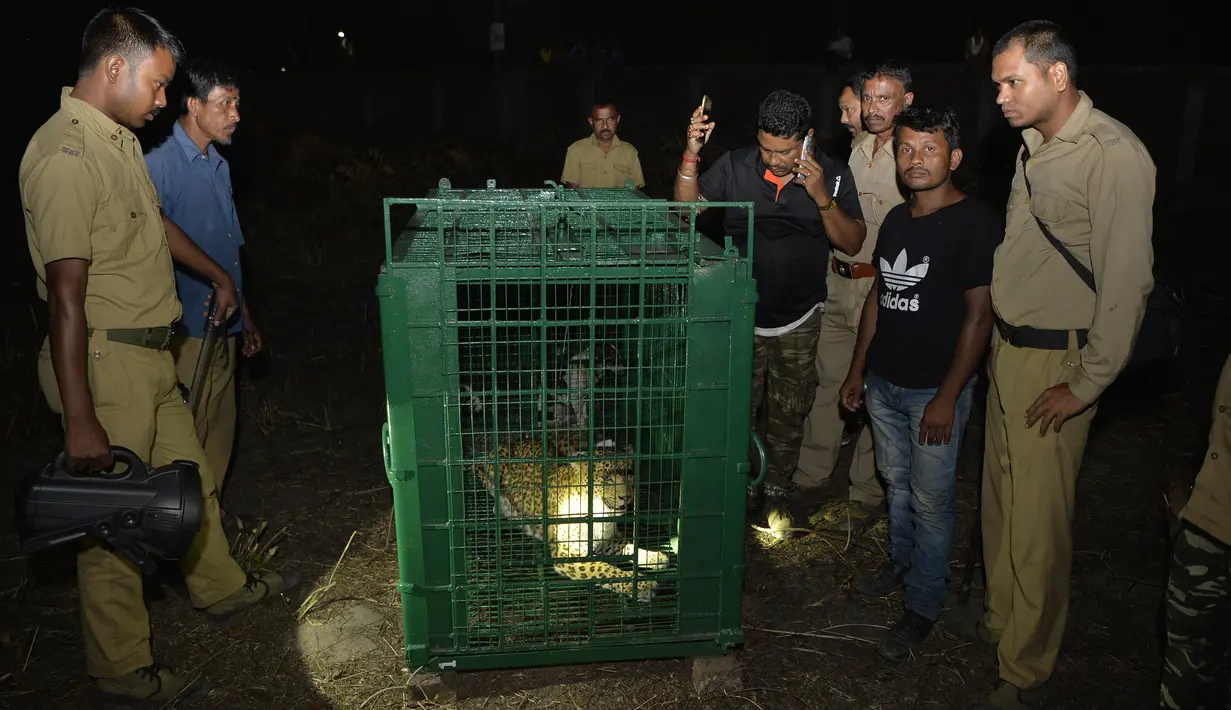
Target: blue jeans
<point>921,486</point>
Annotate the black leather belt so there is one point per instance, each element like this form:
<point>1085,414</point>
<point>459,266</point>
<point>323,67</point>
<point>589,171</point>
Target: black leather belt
<point>153,338</point>
<point>1039,339</point>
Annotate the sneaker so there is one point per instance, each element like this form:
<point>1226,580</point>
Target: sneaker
<point>905,637</point>
<point>1007,696</point>
<point>883,581</point>
<point>154,686</point>
<point>261,585</point>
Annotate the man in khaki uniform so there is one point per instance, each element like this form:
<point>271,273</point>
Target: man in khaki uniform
<point>885,93</point>
<point>602,159</point>
<point>1195,670</point>
<point>1089,181</point>
<point>97,239</point>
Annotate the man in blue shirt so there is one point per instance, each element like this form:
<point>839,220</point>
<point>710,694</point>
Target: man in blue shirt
<point>194,183</point>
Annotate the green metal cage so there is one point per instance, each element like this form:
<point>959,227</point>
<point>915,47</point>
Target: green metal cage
<point>535,340</point>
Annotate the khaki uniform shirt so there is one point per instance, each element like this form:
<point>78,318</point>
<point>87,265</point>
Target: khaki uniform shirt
<point>586,165</point>
<point>1209,507</point>
<point>876,177</point>
<point>86,194</point>
<point>1093,186</point>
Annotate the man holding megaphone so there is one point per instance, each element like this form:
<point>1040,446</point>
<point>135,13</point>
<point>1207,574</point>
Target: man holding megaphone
<point>103,257</point>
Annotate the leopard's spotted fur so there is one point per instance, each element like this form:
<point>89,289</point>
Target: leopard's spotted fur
<point>568,496</point>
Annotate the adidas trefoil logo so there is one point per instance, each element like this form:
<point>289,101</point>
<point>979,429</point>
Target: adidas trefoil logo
<point>897,277</point>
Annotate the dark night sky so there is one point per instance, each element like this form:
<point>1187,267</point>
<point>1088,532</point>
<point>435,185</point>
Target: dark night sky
<point>411,35</point>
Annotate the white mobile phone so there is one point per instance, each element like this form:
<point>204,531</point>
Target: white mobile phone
<point>807,151</point>
<point>707,106</point>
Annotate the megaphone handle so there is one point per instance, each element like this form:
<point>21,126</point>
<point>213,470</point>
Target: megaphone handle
<point>122,455</point>
<point>126,456</point>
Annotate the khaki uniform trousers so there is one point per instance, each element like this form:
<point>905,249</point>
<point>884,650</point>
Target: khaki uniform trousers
<point>1028,490</point>
<point>818,456</point>
<point>215,420</point>
<point>139,406</point>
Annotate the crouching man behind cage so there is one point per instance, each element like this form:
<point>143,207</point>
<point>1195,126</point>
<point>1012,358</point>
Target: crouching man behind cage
<point>803,201</point>
<point>925,327</point>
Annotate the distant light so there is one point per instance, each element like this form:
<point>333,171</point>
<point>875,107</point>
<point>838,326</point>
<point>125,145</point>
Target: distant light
<point>283,68</point>
<point>342,35</point>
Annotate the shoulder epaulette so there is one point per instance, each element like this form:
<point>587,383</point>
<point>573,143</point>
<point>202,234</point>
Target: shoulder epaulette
<point>73,141</point>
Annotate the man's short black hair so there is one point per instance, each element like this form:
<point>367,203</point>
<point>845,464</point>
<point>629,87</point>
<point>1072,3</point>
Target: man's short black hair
<point>605,104</point>
<point>128,32</point>
<point>927,120</point>
<point>856,82</point>
<point>1044,43</point>
<point>204,75</point>
<point>784,115</point>
<point>890,71</point>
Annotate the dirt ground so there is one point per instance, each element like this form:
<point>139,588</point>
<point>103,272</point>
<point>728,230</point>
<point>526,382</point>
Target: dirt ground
<point>309,462</point>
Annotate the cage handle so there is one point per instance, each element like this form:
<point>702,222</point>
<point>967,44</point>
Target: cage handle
<point>384,446</point>
<point>756,441</point>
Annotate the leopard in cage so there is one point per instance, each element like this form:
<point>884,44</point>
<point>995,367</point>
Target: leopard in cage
<point>568,496</point>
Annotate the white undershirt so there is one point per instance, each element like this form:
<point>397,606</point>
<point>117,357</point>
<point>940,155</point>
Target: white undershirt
<point>784,329</point>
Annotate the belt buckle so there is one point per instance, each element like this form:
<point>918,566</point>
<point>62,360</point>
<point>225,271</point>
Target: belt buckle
<point>844,269</point>
<point>147,338</point>
<point>1006,333</point>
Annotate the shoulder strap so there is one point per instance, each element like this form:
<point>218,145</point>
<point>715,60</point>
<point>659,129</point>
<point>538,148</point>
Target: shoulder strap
<point>1079,268</point>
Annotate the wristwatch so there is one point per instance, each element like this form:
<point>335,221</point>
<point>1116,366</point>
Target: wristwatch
<point>832,204</point>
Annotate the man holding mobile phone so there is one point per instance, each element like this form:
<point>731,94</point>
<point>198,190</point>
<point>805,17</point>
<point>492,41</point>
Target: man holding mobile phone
<point>886,91</point>
<point>803,202</point>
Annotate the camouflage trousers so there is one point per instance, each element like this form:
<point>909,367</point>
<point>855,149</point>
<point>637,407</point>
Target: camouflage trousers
<point>784,383</point>
<point>1197,664</point>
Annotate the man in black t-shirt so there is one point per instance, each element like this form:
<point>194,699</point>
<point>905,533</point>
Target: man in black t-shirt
<point>802,202</point>
<point>923,332</point>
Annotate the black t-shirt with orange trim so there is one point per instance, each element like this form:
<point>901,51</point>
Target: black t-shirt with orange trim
<point>790,257</point>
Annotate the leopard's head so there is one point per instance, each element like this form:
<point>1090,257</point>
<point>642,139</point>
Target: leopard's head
<point>613,482</point>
